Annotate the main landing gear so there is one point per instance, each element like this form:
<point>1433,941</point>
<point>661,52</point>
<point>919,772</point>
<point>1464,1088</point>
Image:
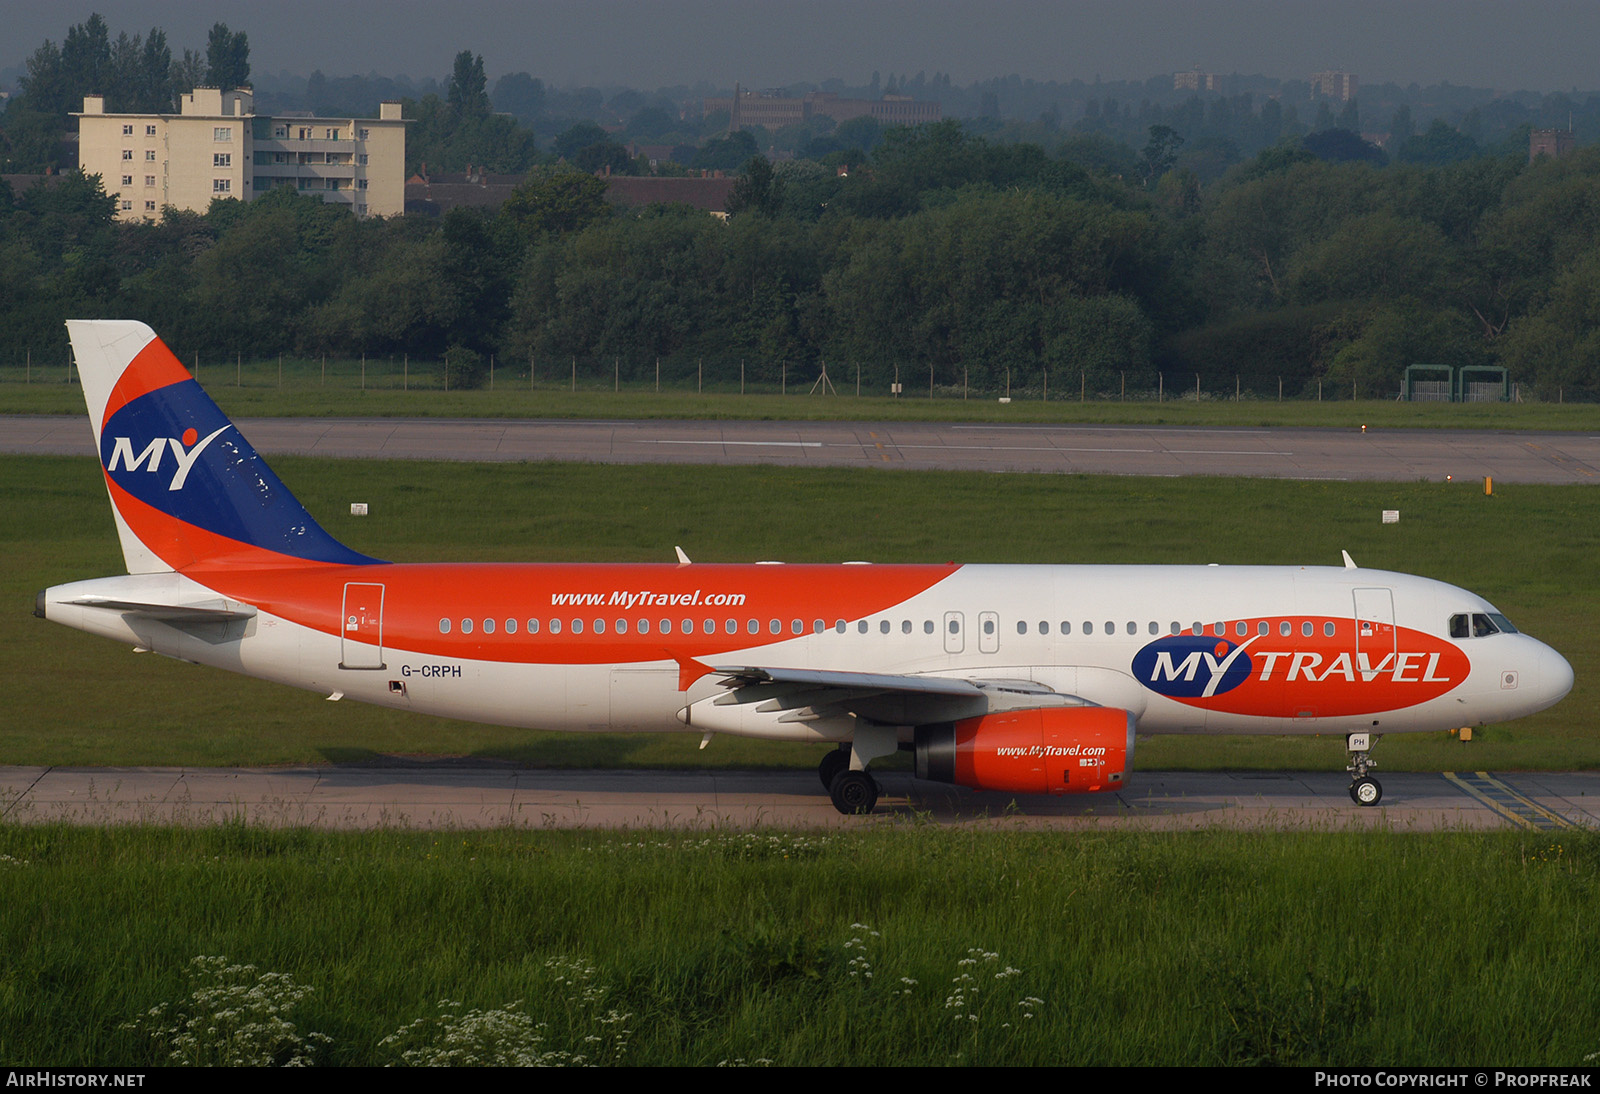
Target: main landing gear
<point>844,770</point>
<point>1364,789</point>
<point>853,792</point>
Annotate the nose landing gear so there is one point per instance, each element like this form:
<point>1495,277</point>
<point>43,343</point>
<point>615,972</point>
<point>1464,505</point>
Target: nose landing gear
<point>1364,789</point>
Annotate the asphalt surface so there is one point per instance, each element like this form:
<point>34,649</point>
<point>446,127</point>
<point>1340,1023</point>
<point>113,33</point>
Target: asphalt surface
<point>474,795</point>
<point>1377,455</point>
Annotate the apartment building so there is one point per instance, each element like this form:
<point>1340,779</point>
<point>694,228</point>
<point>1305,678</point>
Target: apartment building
<point>218,147</point>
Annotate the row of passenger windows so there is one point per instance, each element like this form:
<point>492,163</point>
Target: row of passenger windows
<point>797,626</point>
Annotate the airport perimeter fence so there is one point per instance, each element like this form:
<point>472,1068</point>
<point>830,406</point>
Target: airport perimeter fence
<point>731,376</point>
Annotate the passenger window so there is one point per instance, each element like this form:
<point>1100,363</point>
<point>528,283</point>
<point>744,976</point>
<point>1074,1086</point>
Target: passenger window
<point>577,626</point>
<point>1241,628</point>
<point>686,626</point>
<point>1283,628</point>
<point>818,626</point>
<point>555,626</point>
<point>839,625</point>
<point>1155,628</point>
<point>1177,628</point>
<point>796,626</point>
<point>905,626</point>
<point>753,626</point>
<point>1111,628</point>
<point>466,626</point>
<point>988,626</point>
<point>511,626</point>
<point>488,626</point>
<point>1327,630</point>
<point>1262,628</point>
<point>1198,629</point>
<point>861,627</point>
<point>1066,627</point>
<point>444,626</point>
<point>533,626</point>
<point>1044,628</point>
<point>775,627</point>
<point>709,626</point>
<point>955,627</point>
<point>732,626</point>
<point>599,626</point>
<point>1088,627</point>
<point>622,626</point>
<point>883,626</point>
<point>1133,628</point>
<point>927,626</point>
<point>1305,629</point>
<point>1022,627</point>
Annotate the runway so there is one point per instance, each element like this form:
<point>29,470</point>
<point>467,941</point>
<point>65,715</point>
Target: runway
<point>1336,454</point>
<point>470,795</point>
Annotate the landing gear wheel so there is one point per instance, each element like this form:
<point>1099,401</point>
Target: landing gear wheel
<point>853,792</point>
<point>1366,792</point>
<point>833,763</point>
<point>1364,789</point>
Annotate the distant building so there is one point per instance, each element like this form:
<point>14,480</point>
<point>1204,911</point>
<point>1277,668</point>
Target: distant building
<point>1554,143</point>
<point>218,147</point>
<point>1334,85</point>
<point>771,110</point>
<point>708,193</point>
<point>437,193</point>
<point>1196,81</point>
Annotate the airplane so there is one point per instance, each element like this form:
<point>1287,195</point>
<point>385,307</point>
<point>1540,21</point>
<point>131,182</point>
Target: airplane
<point>1024,679</point>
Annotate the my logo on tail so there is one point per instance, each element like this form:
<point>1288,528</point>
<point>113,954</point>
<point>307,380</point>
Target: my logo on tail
<point>122,453</point>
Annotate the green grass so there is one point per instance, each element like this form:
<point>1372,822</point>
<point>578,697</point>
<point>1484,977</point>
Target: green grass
<point>1378,948</point>
<point>509,400</point>
<point>75,699</point>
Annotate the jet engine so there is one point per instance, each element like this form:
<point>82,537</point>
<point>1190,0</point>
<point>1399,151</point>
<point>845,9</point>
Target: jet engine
<point>1048,750</point>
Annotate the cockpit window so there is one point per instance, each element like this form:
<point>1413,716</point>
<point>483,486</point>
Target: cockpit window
<point>1479,625</point>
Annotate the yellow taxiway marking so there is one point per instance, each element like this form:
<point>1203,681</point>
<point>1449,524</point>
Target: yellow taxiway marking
<point>1514,807</point>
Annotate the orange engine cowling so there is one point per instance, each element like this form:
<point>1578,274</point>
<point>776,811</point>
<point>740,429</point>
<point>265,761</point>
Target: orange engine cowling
<point>1049,750</point>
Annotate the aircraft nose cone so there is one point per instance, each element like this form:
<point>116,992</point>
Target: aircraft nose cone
<point>1555,675</point>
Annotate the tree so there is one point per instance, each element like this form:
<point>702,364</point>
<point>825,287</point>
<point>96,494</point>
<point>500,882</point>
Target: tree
<point>227,58</point>
<point>757,190</point>
<point>468,95</point>
<point>1159,154</point>
<point>1343,146</point>
<point>555,201</point>
<point>521,95</point>
<point>576,137</point>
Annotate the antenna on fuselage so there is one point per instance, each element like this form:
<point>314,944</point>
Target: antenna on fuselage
<point>1349,563</point>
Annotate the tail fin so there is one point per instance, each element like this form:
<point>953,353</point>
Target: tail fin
<point>186,487</point>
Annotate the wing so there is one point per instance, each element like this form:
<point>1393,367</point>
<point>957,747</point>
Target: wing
<point>804,695</point>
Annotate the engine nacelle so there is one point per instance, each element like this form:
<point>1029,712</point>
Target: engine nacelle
<point>1049,750</point>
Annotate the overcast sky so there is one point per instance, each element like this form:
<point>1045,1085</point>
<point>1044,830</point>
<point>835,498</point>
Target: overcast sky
<point>1541,45</point>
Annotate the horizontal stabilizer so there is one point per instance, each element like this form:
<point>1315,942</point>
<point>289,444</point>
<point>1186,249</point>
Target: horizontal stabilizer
<point>213,611</point>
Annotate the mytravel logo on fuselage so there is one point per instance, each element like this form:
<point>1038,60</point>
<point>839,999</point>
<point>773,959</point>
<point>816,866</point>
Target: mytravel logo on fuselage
<point>1339,668</point>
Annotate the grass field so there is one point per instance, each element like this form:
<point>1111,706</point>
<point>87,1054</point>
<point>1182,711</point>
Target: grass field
<point>343,399</point>
<point>898,945</point>
<point>74,699</point>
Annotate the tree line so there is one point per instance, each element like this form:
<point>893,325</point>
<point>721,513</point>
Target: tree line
<point>941,249</point>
